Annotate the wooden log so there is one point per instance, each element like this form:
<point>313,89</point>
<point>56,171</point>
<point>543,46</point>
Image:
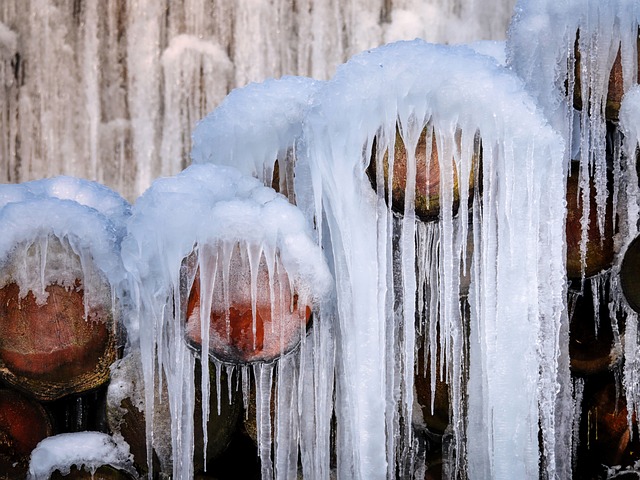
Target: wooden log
<point>235,336</point>
<point>630,274</point>
<point>605,438</point>
<point>438,420</point>
<point>427,191</point>
<point>591,347</point>
<point>600,254</point>
<point>52,350</point>
<point>23,424</point>
<point>615,86</point>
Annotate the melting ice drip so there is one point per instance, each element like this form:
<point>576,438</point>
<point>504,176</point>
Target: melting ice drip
<point>111,90</point>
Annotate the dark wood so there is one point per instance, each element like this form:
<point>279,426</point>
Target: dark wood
<point>592,350</point>
<point>23,424</point>
<point>630,274</point>
<point>52,350</point>
<point>615,90</point>
<point>437,421</point>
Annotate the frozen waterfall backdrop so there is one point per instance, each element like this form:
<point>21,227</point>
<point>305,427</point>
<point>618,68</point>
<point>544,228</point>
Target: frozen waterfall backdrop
<point>397,261</point>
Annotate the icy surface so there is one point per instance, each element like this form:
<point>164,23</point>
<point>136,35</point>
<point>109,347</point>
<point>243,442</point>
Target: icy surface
<point>515,305</point>
<point>560,49</point>
<point>517,365</point>
<point>90,450</point>
<point>61,230</point>
<point>213,211</point>
<point>255,126</point>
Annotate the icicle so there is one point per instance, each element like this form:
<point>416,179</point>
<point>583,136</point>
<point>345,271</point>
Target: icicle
<point>263,375</point>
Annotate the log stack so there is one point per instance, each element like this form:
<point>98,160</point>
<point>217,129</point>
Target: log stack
<point>600,248</point>
<point>615,85</point>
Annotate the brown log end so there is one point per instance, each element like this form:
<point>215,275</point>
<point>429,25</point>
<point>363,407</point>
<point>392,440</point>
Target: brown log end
<point>591,351</point>
<point>427,191</point>
<point>231,332</point>
<point>51,350</point>
<point>221,426</point>
<point>438,420</point>
<point>23,424</point>
<point>600,254</point>
<point>605,436</point>
<point>615,90</point>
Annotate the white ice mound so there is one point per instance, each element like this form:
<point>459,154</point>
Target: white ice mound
<point>218,205</point>
<point>254,125</point>
<point>90,450</point>
<point>59,230</point>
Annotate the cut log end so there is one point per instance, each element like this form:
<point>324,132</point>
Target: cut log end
<point>23,424</point>
<point>52,350</point>
<point>427,190</point>
<point>235,337</point>
<point>615,86</point>
<point>600,248</point>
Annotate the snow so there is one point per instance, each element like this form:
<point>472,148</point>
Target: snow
<point>90,450</point>
<point>255,126</point>
<point>64,229</point>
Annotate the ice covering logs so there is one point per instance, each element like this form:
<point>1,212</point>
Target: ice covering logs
<point>462,96</point>
<point>232,272</point>
<point>60,269</point>
<point>590,50</point>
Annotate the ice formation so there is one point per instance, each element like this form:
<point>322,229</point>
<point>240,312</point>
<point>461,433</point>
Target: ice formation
<point>61,230</point>
<point>216,212</point>
<point>96,90</point>
<point>90,450</point>
<point>513,347</point>
<point>252,138</point>
<point>590,45</point>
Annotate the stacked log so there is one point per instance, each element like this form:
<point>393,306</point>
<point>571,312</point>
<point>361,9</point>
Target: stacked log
<point>629,274</point>
<point>53,350</point>
<point>427,190</point>
<point>615,85</point>
<point>23,423</point>
<point>244,331</point>
<point>592,344</point>
<point>600,249</point>
<point>605,438</point>
<point>126,416</point>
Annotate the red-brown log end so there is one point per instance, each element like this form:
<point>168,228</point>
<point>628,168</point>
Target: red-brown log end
<point>23,424</point>
<point>600,254</point>
<point>231,334</point>
<point>51,350</point>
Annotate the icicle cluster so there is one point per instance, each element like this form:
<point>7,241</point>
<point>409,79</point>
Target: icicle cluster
<point>501,359</point>
<point>569,54</point>
<point>214,212</point>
